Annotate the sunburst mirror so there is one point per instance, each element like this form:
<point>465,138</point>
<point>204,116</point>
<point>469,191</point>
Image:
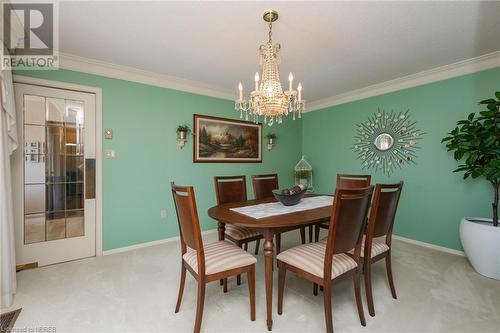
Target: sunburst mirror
<point>387,140</point>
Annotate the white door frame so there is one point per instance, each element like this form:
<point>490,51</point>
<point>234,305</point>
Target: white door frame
<point>98,109</point>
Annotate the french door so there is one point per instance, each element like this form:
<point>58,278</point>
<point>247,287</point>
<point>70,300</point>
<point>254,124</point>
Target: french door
<point>54,172</point>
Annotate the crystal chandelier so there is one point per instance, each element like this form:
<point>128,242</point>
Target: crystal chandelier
<point>268,100</point>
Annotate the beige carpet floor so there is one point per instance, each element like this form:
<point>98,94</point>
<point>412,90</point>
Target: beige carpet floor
<point>136,292</point>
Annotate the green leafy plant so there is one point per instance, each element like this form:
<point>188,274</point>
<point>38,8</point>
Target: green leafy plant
<point>183,128</point>
<point>302,174</point>
<point>271,136</point>
<point>476,142</point>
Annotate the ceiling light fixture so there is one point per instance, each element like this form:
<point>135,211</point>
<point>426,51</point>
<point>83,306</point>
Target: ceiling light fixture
<point>268,99</point>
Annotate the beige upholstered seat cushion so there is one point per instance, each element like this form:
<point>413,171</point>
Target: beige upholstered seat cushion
<point>378,246</point>
<point>311,257</point>
<point>239,233</point>
<point>220,256</point>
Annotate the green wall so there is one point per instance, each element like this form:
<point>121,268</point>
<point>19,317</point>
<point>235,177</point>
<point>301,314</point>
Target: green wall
<point>434,199</point>
<point>136,184</point>
<point>144,118</point>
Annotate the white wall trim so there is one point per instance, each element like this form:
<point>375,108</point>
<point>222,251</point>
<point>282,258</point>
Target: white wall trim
<point>487,61</point>
<point>429,246</point>
<point>98,108</point>
<point>102,68</point>
<point>153,243</point>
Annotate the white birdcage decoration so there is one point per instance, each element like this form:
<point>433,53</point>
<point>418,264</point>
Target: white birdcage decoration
<point>303,174</point>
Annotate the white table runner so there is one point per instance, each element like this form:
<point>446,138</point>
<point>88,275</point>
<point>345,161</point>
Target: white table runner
<point>277,208</point>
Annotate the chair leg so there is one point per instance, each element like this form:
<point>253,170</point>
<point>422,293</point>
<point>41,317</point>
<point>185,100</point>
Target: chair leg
<point>257,245</point>
<point>278,244</point>
<point>316,233</point>
<point>199,306</point>
<point>327,300</point>
<point>368,286</point>
<point>251,291</point>
<point>225,285</point>
<point>181,288</point>
<point>303,235</point>
<point>238,277</point>
<point>388,268</point>
<point>310,233</point>
<point>315,289</point>
<point>281,286</point>
<point>357,294</point>
<point>245,247</point>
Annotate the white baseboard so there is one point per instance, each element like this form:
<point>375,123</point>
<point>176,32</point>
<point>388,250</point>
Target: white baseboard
<point>429,246</point>
<point>148,244</point>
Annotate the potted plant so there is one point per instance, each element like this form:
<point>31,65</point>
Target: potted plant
<point>302,176</point>
<point>476,142</point>
<point>183,131</point>
<point>271,140</point>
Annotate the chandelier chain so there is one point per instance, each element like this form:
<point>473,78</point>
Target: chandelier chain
<point>270,32</point>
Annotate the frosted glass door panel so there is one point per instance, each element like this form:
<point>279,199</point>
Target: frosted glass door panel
<point>34,226</point>
<point>34,110</point>
<point>34,198</point>
<point>34,149</point>
<point>55,155</point>
<point>56,108</point>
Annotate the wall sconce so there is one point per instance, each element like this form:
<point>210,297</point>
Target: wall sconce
<point>271,140</point>
<point>182,132</point>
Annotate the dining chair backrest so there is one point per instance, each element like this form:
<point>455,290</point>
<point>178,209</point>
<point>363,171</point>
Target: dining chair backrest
<point>353,181</point>
<point>230,189</point>
<point>347,223</point>
<point>263,185</point>
<point>187,217</point>
<point>383,210</point>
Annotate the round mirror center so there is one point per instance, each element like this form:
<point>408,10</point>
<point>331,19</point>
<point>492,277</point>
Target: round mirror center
<point>384,141</point>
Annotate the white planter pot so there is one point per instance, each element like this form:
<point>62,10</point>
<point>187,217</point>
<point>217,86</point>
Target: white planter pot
<point>481,243</point>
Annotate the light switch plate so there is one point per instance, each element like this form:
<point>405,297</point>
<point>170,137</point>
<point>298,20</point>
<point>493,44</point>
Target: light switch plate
<point>109,154</point>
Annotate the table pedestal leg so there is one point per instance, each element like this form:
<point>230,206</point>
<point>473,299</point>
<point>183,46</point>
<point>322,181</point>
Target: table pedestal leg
<point>221,228</point>
<point>268,254</point>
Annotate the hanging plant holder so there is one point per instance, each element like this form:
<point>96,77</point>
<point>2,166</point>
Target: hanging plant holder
<point>303,174</point>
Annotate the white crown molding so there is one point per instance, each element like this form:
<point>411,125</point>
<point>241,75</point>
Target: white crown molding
<point>97,67</point>
<point>460,68</point>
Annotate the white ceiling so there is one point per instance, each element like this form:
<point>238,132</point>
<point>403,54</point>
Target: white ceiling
<point>332,47</point>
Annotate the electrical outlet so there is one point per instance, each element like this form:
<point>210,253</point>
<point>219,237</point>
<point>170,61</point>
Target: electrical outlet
<point>163,214</point>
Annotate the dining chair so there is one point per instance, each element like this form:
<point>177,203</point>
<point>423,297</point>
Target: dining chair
<point>324,263</point>
<point>344,181</point>
<point>263,186</point>
<point>352,181</point>
<point>210,262</point>
<point>380,224</point>
<point>230,189</point>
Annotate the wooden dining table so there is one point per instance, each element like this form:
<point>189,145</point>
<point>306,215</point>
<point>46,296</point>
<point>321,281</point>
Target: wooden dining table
<point>268,226</point>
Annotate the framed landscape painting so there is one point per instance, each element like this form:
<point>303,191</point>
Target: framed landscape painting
<point>224,140</point>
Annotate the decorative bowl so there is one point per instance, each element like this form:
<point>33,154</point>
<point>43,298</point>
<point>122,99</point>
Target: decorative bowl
<point>289,200</point>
